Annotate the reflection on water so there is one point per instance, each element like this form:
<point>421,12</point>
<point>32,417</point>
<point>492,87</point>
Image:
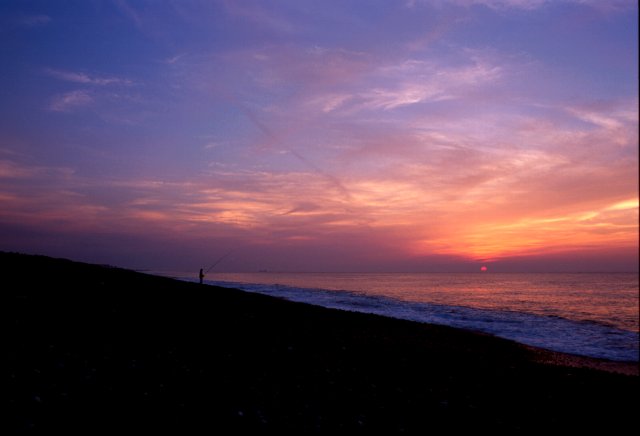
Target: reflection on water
<point>589,314</point>
<point>610,299</point>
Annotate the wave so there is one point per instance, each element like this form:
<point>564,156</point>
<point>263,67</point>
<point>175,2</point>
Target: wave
<point>587,338</point>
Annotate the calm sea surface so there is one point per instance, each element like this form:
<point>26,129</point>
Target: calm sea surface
<point>587,314</point>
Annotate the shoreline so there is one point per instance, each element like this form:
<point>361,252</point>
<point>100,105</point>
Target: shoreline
<point>550,357</point>
<point>99,349</point>
<point>538,354</point>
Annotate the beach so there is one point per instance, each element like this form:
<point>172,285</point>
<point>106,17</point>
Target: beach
<point>94,348</point>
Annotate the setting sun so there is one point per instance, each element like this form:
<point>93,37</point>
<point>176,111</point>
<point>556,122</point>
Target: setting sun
<point>272,215</point>
<point>303,149</point>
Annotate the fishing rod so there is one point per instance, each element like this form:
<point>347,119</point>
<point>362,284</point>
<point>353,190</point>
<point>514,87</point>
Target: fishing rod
<point>218,261</point>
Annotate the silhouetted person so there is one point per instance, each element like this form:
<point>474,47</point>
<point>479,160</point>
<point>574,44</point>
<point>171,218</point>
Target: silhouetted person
<point>201,275</point>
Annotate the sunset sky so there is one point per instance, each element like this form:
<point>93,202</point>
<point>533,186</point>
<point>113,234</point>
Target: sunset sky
<point>322,135</point>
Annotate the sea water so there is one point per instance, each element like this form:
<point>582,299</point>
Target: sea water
<point>589,314</point>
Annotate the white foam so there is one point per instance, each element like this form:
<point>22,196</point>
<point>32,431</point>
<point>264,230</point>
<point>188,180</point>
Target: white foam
<point>555,333</point>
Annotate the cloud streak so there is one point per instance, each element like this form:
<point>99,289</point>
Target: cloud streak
<point>86,79</point>
<point>409,132</point>
<point>419,81</point>
<point>70,101</point>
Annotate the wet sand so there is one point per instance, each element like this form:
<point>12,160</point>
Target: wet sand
<point>94,349</point>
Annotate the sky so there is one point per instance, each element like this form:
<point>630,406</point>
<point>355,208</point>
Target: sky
<point>330,135</point>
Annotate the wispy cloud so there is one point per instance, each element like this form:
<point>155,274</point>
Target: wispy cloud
<point>412,82</point>
<point>129,11</point>
<point>430,129</point>
<point>11,170</point>
<point>257,14</point>
<point>174,59</point>
<point>347,82</point>
<point>528,174</point>
<point>70,101</point>
<point>493,4</point>
<point>617,125</point>
<point>84,78</point>
<point>40,172</point>
<point>526,5</point>
<point>421,81</point>
<point>520,201</point>
<point>503,4</point>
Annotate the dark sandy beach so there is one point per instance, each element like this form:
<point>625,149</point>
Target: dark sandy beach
<point>93,349</point>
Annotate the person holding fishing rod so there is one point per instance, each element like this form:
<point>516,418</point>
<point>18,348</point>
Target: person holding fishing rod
<point>201,275</point>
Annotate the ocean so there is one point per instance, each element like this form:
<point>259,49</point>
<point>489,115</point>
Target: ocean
<point>588,314</point>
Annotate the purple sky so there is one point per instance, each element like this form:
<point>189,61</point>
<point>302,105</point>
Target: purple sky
<point>322,136</point>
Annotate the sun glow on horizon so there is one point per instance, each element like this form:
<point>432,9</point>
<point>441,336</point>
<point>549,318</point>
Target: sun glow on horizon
<point>306,145</point>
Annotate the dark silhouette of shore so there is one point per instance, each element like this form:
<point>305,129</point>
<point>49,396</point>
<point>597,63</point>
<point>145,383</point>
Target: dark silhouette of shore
<point>93,349</point>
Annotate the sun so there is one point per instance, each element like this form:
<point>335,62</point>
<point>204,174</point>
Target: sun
<point>483,268</point>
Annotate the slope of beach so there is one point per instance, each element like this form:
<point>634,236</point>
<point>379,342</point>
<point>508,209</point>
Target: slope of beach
<point>93,349</point>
